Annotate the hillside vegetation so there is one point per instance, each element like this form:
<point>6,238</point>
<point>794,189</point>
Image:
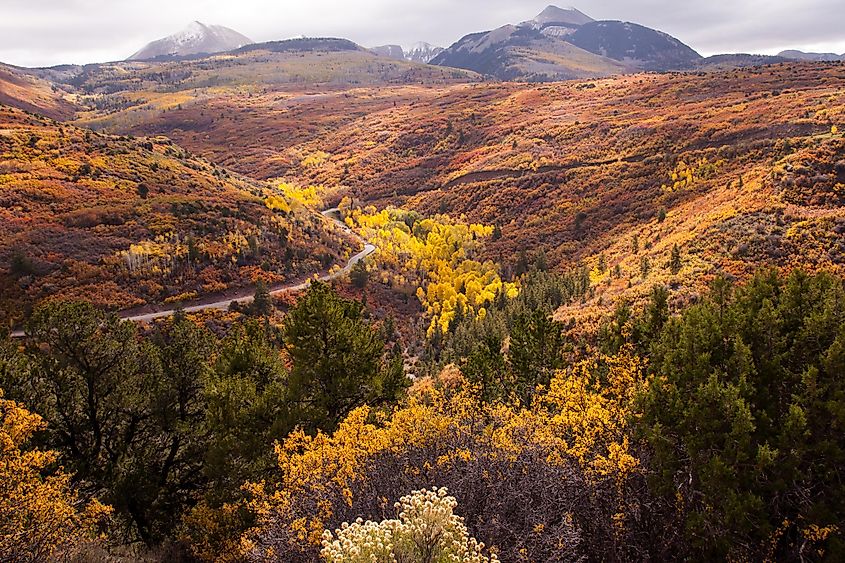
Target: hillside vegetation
<point>24,90</point>
<point>735,169</point>
<point>122,222</point>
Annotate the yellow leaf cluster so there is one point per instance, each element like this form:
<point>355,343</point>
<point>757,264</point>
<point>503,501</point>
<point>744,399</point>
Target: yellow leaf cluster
<point>316,159</point>
<point>437,255</point>
<point>307,196</point>
<point>578,417</point>
<point>277,203</point>
<point>40,516</point>
<point>685,176</point>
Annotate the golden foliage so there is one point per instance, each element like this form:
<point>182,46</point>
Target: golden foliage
<point>277,203</point>
<point>582,416</point>
<point>40,515</point>
<point>438,256</point>
<point>686,175</point>
<point>308,196</point>
<point>316,159</point>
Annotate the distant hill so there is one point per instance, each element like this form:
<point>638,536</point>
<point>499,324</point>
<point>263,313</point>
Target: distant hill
<point>302,44</point>
<point>802,56</point>
<point>647,48</point>
<point>566,43</point>
<point>22,89</point>
<point>161,84</point>
<point>198,38</point>
<point>738,60</point>
<point>527,54</point>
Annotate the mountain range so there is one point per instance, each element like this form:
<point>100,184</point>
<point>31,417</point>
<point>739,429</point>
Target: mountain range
<point>561,44</point>
<point>557,44</point>
<point>421,52</point>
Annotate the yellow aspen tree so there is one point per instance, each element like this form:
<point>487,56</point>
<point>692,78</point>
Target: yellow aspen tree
<point>41,517</point>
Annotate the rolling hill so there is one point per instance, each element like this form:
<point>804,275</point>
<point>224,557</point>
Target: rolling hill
<point>802,56</point>
<point>22,89</point>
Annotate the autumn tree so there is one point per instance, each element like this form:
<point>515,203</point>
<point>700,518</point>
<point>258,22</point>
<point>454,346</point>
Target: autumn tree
<point>41,516</point>
<point>538,484</point>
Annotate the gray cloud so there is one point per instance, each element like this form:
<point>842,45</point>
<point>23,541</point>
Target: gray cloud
<point>48,32</point>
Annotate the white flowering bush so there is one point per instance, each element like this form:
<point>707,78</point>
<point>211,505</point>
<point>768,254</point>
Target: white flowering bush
<point>427,531</point>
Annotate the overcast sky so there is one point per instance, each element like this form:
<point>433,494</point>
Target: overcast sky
<point>49,32</point>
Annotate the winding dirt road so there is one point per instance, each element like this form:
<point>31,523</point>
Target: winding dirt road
<point>247,296</point>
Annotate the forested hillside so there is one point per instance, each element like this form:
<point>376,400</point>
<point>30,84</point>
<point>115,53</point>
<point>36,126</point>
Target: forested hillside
<point>713,433</point>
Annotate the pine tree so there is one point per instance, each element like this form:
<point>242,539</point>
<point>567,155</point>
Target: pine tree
<point>675,262</point>
<point>536,349</point>
<point>645,266</point>
<point>359,275</point>
<point>497,233</point>
<point>262,304</point>
<point>338,358</point>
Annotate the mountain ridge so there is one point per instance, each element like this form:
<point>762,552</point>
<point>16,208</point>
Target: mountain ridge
<point>796,55</point>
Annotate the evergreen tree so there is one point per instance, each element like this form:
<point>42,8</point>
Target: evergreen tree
<point>114,413</point>
<point>497,233</point>
<point>338,358</point>
<point>486,368</point>
<point>262,303</point>
<point>247,410</point>
<point>645,266</point>
<point>744,416</point>
<point>359,275</point>
<point>675,262</point>
<point>536,351</point>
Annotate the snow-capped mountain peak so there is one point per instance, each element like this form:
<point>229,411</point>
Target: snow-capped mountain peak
<point>422,52</point>
<point>554,15</point>
<point>197,38</point>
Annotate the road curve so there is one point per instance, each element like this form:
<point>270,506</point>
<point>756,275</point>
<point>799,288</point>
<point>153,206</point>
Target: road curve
<point>248,296</point>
